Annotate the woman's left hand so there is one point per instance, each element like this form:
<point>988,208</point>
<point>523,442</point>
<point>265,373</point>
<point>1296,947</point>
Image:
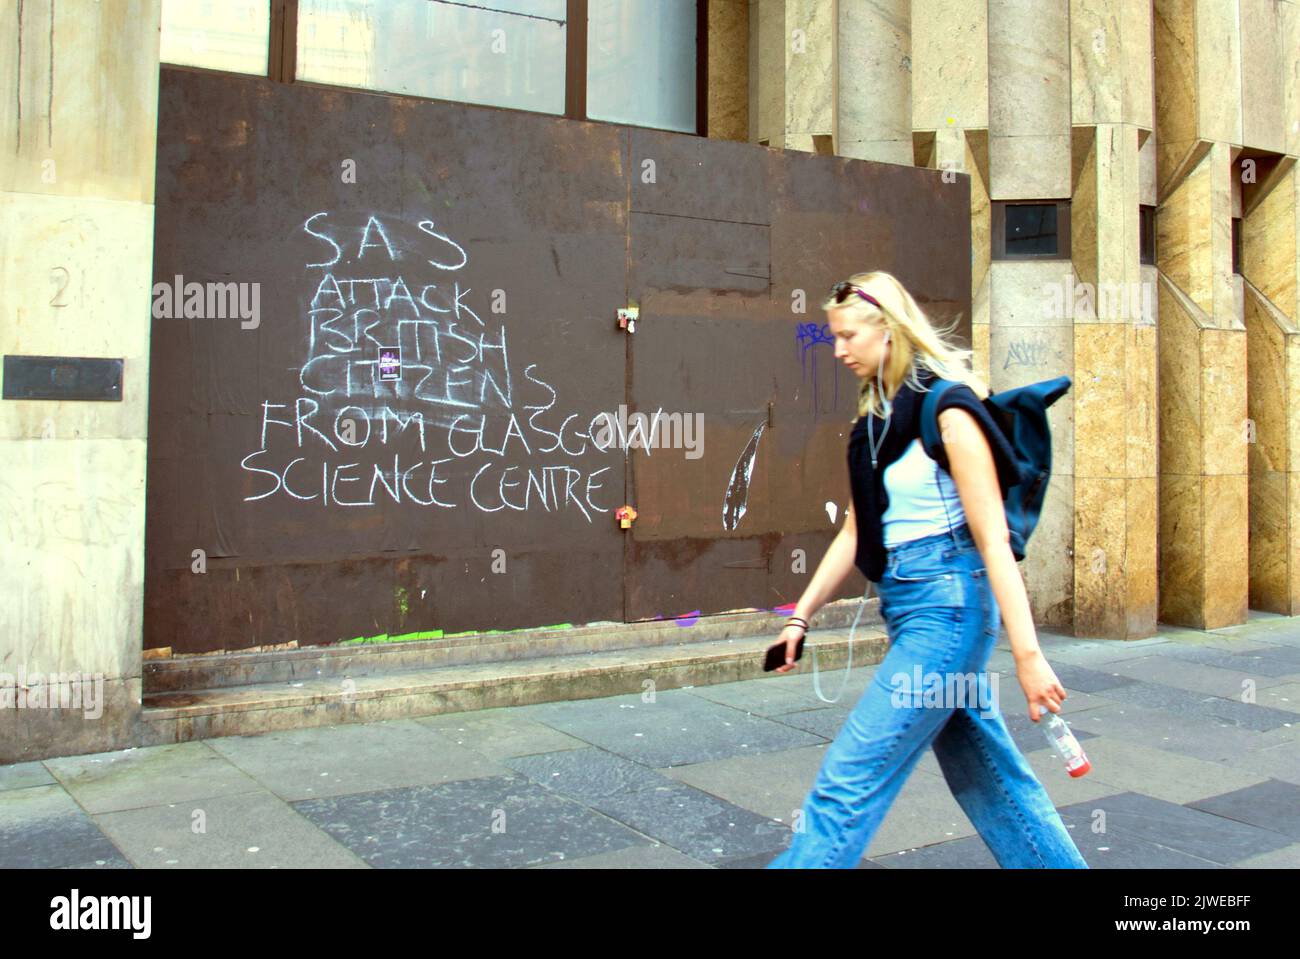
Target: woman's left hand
<point>1043,690</point>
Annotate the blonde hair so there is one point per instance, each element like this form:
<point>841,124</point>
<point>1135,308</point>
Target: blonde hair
<point>916,343</point>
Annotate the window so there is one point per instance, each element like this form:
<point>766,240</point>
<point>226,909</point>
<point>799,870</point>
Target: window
<point>1147,234</point>
<point>1236,244</point>
<point>641,62</point>
<point>230,35</point>
<point>506,53</point>
<point>1031,230</point>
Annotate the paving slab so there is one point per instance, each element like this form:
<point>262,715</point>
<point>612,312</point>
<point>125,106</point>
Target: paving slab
<point>1207,739</point>
<point>633,857</point>
<point>1237,661</point>
<point>772,785</point>
<point>1186,773</point>
<point>1272,804</point>
<point>676,729</point>
<point>1029,736</point>
<point>1196,677</point>
<point>801,681</point>
<point>693,822</point>
<point>1232,639</point>
<point>492,822</point>
<point>776,786</point>
<point>113,862</point>
<point>1288,857</point>
<point>41,827</point>
<point>351,758</point>
<point>1085,679</point>
<point>1001,660</point>
<point>968,852</point>
<point>1095,655</point>
<point>499,733</point>
<point>1012,702</point>
<point>1129,767</point>
<point>763,860</point>
<point>1286,696</point>
<point>1287,733</point>
<point>151,776</point>
<point>589,774</point>
<point>243,831</point>
<point>1280,761</point>
<point>1180,828</point>
<point>824,722</point>
<point>1180,702</point>
<point>1278,636</point>
<point>767,698</point>
<point>1279,653</point>
<point>972,853</point>
<point>1062,788</point>
<point>22,775</point>
<point>924,812</point>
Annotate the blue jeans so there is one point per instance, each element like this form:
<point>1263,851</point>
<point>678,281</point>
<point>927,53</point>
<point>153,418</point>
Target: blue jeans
<point>942,619</point>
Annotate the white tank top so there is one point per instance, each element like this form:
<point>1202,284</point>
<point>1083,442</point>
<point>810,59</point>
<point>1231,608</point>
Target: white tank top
<point>915,508</point>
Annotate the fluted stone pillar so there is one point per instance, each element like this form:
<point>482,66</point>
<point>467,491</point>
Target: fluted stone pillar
<point>873,102</point>
<point>792,74</point>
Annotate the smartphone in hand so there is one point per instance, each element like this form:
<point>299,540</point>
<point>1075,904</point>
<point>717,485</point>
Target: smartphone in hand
<point>775,657</point>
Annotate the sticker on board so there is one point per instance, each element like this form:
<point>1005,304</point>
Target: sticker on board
<point>390,362</point>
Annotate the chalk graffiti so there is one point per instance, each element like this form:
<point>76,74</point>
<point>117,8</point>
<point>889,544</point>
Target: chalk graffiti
<point>395,351</point>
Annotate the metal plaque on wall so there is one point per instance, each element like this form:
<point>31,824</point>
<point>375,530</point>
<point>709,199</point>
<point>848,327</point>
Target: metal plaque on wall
<point>62,378</point>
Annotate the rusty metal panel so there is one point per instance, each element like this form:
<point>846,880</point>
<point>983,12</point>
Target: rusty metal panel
<point>837,216</point>
<point>720,336</point>
<point>299,190</point>
<point>329,502</point>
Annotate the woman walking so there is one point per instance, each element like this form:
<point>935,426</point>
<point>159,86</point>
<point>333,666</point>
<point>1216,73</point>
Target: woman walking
<point>933,538</point>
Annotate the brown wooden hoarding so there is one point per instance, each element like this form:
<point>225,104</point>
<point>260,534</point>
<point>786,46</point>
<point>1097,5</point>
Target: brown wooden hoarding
<point>405,414</point>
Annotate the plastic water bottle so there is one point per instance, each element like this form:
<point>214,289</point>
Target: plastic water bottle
<point>1062,740</point>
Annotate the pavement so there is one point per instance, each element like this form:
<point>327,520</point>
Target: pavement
<point>1194,738</point>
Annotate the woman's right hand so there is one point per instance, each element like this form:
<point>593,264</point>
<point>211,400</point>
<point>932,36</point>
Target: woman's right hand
<point>791,634</point>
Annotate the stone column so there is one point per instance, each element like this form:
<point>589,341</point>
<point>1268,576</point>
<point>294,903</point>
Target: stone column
<point>1114,333</point>
<point>873,99</point>
<point>1029,153</point>
<point>1214,98</point>
<point>1271,267</point>
<point>950,119</point>
<point>728,69</point>
<point>792,74</point>
<point>78,119</point>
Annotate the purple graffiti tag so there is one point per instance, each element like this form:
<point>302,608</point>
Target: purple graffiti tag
<point>808,335</point>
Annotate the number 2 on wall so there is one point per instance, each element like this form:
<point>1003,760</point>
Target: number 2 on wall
<point>57,299</point>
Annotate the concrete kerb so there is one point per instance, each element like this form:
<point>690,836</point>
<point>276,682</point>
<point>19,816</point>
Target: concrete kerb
<point>319,662</point>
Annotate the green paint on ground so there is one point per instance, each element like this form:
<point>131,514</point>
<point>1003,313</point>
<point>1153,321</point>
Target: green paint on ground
<point>385,638</point>
<point>439,634</point>
<point>521,629</point>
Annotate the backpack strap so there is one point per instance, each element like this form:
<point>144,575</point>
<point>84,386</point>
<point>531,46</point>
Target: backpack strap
<point>930,438</point>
